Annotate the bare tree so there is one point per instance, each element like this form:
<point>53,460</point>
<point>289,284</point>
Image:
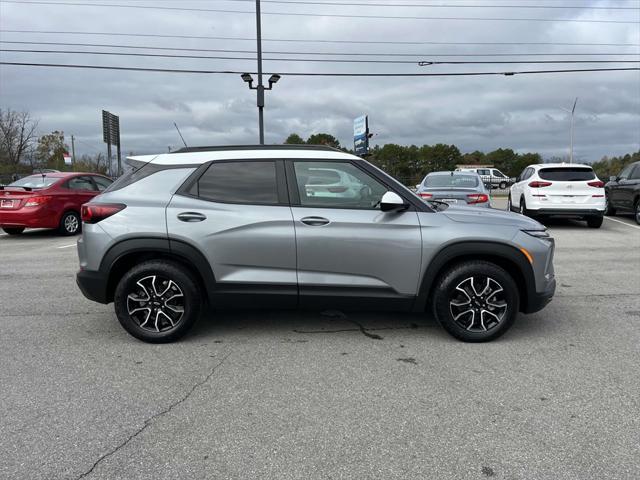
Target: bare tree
<point>17,133</point>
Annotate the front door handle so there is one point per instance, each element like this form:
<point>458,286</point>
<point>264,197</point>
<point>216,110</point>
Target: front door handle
<point>191,217</point>
<point>315,221</point>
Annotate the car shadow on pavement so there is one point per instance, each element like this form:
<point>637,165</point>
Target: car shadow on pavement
<point>291,324</point>
<point>36,233</point>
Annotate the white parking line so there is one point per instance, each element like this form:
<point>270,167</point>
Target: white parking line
<point>67,246</point>
<point>623,223</point>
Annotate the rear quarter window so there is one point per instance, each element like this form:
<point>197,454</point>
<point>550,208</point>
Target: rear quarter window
<point>567,174</point>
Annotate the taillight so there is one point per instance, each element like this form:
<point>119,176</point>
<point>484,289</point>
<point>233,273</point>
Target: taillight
<point>538,184</point>
<point>426,195</point>
<point>596,184</point>
<point>477,198</point>
<point>95,212</point>
<point>37,201</point>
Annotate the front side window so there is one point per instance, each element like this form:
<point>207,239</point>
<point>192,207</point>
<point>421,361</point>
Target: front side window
<point>336,185</point>
<point>635,175</point>
<point>80,183</point>
<point>238,182</point>
<point>498,173</point>
<point>624,174</point>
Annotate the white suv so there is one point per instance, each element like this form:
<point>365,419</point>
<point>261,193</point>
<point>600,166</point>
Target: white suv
<point>559,190</point>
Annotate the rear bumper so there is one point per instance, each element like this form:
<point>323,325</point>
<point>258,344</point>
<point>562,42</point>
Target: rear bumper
<point>93,285</point>
<point>539,300</point>
<point>567,212</point>
<point>29,218</point>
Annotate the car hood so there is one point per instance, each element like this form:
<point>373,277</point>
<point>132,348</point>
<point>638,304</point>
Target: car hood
<point>491,216</point>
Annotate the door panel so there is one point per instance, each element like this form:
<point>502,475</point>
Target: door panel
<point>244,244</point>
<point>359,252</point>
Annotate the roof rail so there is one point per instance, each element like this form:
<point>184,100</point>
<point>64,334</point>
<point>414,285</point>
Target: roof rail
<point>257,147</point>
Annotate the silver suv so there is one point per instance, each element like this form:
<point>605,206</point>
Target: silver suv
<point>241,226</point>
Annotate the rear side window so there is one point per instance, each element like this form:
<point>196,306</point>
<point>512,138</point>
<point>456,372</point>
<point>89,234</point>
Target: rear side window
<point>80,183</point>
<point>102,183</point>
<point>567,174</point>
<point>239,182</point>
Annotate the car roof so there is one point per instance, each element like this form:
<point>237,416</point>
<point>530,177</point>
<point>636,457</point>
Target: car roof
<point>199,155</point>
<point>560,165</point>
<point>454,173</point>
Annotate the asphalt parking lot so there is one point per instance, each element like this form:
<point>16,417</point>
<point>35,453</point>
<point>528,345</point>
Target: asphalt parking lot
<point>280,395</point>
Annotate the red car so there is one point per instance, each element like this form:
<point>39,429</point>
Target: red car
<point>48,200</point>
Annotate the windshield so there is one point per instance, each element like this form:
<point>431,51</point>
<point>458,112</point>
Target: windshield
<point>451,181</point>
<point>567,174</point>
<point>35,181</point>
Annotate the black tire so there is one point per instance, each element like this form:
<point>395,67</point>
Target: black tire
<point>608,208</point>
<point>184,293</point>
<point>70,224</point>
<point>509,204</point>
<point>468,328</point>
<point>523,208</point>
<point>13,230</point>
<point>637,211</point>
<point>595,222</point>
<point>503,185</point>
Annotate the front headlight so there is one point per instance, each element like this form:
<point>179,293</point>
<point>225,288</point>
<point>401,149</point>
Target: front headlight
<point>538,233</point>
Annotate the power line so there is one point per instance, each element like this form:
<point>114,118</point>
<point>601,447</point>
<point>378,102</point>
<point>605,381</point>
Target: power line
<point>319,74</point>
<point>431,5</point>
<point>307,60</point>
<point>342,54</point>
<point>334,15</point>
<point>302,40</point>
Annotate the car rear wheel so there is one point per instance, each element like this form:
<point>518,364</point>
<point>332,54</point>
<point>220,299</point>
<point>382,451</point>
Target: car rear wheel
<point>476,301</point>
<point>595,222</point>
<point>637,209</point>
<point>13,230</point>
<point>157,301</point>
<point>523,208</point>
<point>503,185</point>
<point>509,204</point>
<point>69,224</point>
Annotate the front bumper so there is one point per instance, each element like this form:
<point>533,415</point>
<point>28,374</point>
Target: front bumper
<point>93,285</point>
<point>539,300</point>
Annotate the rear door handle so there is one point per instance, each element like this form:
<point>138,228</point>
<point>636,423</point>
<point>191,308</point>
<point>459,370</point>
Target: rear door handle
<point>191,217</point>
<point>315,221</point>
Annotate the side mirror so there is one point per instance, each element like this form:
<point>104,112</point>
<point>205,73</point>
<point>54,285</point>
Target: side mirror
<point>613,178</point>
<point>392,201</point>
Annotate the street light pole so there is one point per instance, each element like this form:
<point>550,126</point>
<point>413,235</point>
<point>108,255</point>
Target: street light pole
<point>260,87</point>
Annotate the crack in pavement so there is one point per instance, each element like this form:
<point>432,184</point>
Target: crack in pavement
<point>365,331</point>
<point>150,420</point>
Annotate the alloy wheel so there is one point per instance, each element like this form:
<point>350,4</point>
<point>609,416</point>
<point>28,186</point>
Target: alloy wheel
<point>71,223</point>
<point>156,303</point>
<point>478,303</point>
<point>638,212</point>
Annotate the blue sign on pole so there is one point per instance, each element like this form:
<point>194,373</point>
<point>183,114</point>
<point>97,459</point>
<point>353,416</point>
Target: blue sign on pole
<point>361,135</point>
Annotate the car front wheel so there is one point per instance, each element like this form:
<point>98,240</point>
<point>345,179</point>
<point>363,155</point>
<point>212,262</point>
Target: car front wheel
<point>476,301</point>
<point>157,301</point>
<point>608,208</point>
<point>638,211</point>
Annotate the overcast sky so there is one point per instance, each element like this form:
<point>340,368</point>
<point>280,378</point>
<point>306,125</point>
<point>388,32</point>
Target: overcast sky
<point>483,112</point>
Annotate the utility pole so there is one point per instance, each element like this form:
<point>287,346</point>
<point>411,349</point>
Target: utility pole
<point>260,89</point>
<point>73,150</point>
